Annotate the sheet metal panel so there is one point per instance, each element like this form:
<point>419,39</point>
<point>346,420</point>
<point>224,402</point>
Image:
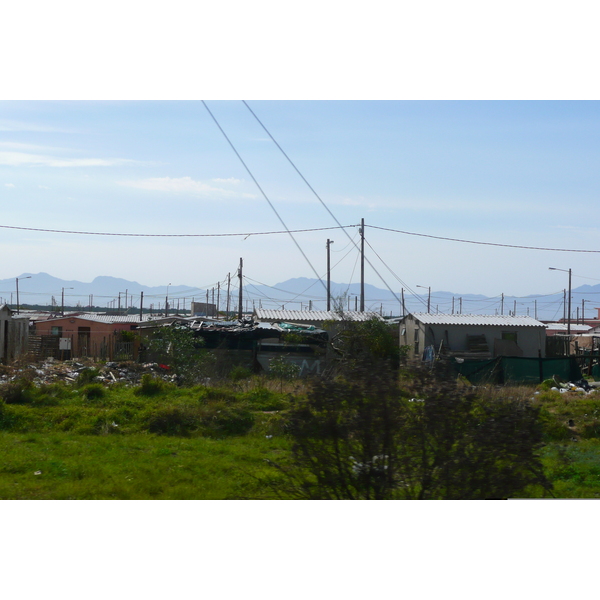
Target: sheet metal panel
<point>500,320</point>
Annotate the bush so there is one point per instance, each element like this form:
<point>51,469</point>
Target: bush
<point>363,438</point>
<point>150,386</point>
<point>20,391</point>
<point>86,376</point>
<point>93,391</point>
<point>219,420</point>
<point>240,373</point>
<point>174,420</point>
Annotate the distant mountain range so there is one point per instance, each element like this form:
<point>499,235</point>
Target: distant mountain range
<point>294,294</point>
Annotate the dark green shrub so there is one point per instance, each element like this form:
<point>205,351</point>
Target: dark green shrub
<point>220,419</point>
<point>240,373</point>
<point>174,420</point>
<point>210,394</point>
<point>20,391</point>
<point>360,438</point>
<point>87,376</point>
<point>150,386</point>
<point>93,391</point>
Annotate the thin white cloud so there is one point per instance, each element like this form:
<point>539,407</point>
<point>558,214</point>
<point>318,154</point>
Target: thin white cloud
<point>19,159</point>
<point>186,185</point>
<point>9,185</point>
<point>32,147</point>
<point>8,125</point>
<point>43,187</point>
<point>228,180</point>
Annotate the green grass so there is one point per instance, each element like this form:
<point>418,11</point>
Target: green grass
<point>158,441</point>
<point>61,466</point>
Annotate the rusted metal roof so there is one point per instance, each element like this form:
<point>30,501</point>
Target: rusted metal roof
<point>312,316</point>
<point>498,320</point>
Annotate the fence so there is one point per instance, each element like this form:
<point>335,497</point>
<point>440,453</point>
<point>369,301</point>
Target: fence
<point>109,347</point>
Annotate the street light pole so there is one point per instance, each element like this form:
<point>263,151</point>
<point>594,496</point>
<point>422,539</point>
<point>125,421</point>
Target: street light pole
<point>329,242</point>
<point>428,296</point>
<point>17,280</point>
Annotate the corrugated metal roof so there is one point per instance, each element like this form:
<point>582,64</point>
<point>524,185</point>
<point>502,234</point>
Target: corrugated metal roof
<point>312,316</point>
<point>563,327</point>
<point>100,318</point>
<point>500,320</point>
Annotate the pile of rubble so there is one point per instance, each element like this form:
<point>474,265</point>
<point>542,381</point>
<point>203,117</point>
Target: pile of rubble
<point>51,370</point>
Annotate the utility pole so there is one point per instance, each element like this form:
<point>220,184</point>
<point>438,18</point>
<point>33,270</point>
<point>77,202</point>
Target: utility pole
<point>119,309</point>
<point>17,281</point>
<point>218,297</point>
<point>62,310</point>
<point>126,309</point>
<point>535,309</point>
<point>228,284</point>
<point>362,265</point>
<point>240,275</point>
<point>403,305</point>
<point>141,305</point>
<point>515,309</point>
<point>460,304</point>
<point>329,242</point>
<point>502,305</point>
<point>452,304</point>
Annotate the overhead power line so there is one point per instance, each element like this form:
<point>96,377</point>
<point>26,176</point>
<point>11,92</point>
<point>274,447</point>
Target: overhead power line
<point>263,193</point>
<point>246,234</point>
<point>447,239</point>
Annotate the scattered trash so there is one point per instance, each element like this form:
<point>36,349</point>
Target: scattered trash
<point>38,473</point>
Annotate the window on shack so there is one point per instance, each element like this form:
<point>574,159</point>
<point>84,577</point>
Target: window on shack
<point>510,336</point>
<point>56,330</point>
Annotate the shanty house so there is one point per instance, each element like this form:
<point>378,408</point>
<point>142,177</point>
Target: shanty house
<point>472,336</point>
<point>87,334</point>
<point>310,317</point>
<point>14,333</point>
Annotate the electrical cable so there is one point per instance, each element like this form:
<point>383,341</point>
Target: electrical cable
<point>263,193</point>
<point>170,235</point>
<point>319,198</point>
<point>447,239</point>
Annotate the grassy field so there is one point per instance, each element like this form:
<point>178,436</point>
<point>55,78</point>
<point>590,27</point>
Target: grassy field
<point>158,441</point>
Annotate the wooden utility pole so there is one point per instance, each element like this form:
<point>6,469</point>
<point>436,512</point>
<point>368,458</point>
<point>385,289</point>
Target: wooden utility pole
<point>141,305</point>
<point>502,305</point>
<point>228,284</point>
<point>240,275</point>
<point>218,297</point>
<point>362,265</point>
<point>329,242</point>
<point>403,305</point>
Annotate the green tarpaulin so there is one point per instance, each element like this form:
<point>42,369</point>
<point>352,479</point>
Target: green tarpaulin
<point>518,370</point>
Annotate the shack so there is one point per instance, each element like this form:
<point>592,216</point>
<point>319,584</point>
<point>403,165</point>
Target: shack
<point>14,334</point>
<point>472,336</point>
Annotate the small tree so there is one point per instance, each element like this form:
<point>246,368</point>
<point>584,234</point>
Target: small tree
<point>181,350</point>
<point>365,437</point>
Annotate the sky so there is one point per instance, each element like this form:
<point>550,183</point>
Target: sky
<point>509,172</point>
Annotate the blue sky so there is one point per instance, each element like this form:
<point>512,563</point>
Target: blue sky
<point>521,172</point>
